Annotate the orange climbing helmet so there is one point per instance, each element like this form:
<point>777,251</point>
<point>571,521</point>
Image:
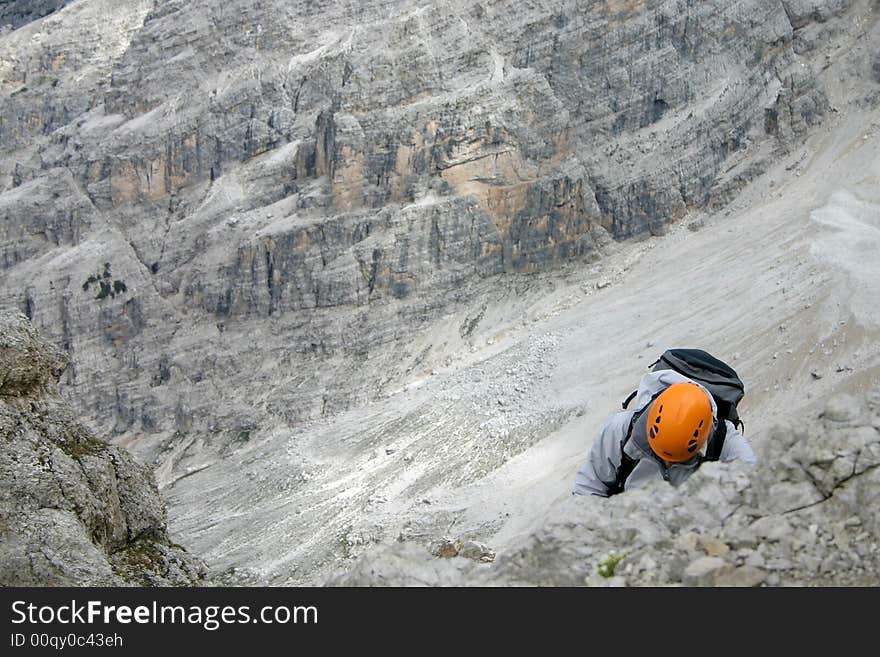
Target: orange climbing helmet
<point>680,422</point>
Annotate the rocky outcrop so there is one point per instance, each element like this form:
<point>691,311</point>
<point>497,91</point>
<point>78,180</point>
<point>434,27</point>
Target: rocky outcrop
<point>805,516</point>
<point>74,511</point>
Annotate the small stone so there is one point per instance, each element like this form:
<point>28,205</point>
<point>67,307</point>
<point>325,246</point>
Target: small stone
<point>714,548</point>
<point>476,551</point>
<point>755,559</point>
<point>647,564</point>
<point>771,528</point>
<point>841,408</point>
<point>702,572</point>
<point>828,564</point>
<point>687,542</point>
<point>445,548</point>
<point>780,563</point>
<point>743,576</point>
<point>816,375</point>
<point>744,539</point>
<point>596,580</point>
<point>602,284</point>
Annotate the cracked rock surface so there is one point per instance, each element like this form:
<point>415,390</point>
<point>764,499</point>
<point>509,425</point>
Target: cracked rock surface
<point>74,510</point>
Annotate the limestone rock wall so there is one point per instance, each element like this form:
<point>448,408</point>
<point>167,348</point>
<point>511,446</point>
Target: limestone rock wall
<point>276,188</point>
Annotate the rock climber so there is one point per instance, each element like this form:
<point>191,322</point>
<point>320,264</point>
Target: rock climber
<point>675,427</point>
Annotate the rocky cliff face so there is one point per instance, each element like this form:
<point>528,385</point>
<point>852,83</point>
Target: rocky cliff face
<point>245,222</point>
<point>807,516</point>
<point>74,511</point>
<point>274,193</point>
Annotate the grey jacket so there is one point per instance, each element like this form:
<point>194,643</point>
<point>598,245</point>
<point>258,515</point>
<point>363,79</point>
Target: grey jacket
<point>599,473</point>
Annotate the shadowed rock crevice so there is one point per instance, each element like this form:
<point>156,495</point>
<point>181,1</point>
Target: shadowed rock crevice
<point>15,13</point>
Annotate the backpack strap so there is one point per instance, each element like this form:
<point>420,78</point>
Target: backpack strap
<point>628,463</point>
<point>629,399</point>
<point>716,442</point>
